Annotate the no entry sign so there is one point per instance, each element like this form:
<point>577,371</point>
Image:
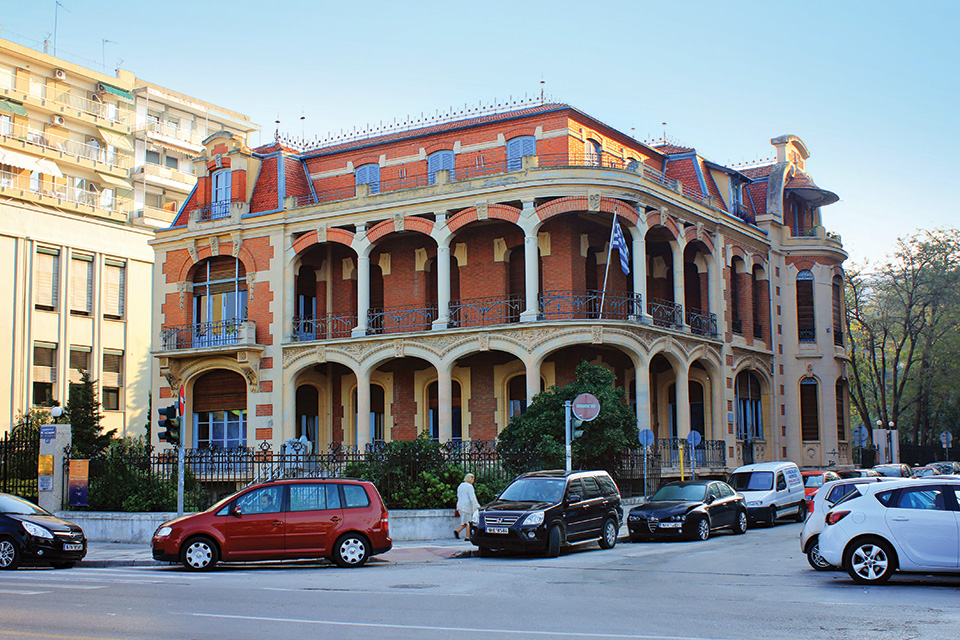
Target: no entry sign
<point>586,407</point>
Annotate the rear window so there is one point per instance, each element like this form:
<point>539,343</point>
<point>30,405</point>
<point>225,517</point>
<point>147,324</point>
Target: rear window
<point>591,488</point>
<point>314,497</point>
<point>752,481</point>
<point>354,496</point>
<point>884,497</point>
<point>814,481</point>
<point>839,493</point>
<point>608,486</point>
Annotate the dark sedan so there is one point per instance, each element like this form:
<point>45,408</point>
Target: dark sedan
<point>689,510</point>
<point>35,536</point>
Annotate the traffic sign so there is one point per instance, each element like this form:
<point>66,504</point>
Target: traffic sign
<point>646,437</point>
<point>859,435</point>
<point>586,407</point>
<point>946,438</point>
<point>694,438</point>
<point>182,400</point>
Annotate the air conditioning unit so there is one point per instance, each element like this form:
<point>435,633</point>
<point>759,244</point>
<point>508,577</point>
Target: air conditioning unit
<point>57,120</point>
<point>60,74</point>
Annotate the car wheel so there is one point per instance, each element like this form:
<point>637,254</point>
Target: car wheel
<point>772,517</point>
<point>63,565</point>
<point>869,561</point>
<point>815,559</point>
<point>609,537</point>
<point>554,538</point>
<point>9,554</point>
<point>741,524</point>
<point>199,554</point>
<point>351,550</point>
<point>802,511</point>
<point>702,531</point>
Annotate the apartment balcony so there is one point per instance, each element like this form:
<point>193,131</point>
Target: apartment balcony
<point>101,203</point>
<point>172,135</point>
<point>590,305</point>
<point>64,149</point>
<point>59,100</point>
<point>487,311</point>
<point>327,327</point>
<point>702,323</point>
<point>400,319</point>
<point>220,336</point>
<point>665,313</point>
<point>167,177</point>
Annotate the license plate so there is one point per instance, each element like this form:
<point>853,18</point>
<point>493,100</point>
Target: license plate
<point>671,525</point>
<point>501,530</point>
<point>72,546</point>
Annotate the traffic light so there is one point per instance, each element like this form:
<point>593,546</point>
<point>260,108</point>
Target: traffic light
<point>171,423</point>
<point>575,424</point>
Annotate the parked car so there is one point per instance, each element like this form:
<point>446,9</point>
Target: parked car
<point>544,510</point>
<point>32,535</point>
<point>342,520</point>
<point>813,480</point>
<point>924,472</point>
<point>947,468</point>
<point>823,500</point>
<point>895,470</point>
<point>906,525</point>
<point>859,473</point>
<point>691,510</point>
<point>772,490</point>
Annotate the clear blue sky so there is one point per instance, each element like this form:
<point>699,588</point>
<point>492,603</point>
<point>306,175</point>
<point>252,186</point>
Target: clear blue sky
<point>871,87</point>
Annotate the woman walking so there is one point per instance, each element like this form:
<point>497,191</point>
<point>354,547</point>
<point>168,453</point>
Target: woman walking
<point>466,504</point>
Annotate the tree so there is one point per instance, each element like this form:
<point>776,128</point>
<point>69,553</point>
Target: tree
<point>540,430</point>
<point>902,322</point>
<point>85,416</point>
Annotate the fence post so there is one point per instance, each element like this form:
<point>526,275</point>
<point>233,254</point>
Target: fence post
<point>54,439</point>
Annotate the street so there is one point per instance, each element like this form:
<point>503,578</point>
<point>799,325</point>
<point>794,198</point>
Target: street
<point>729,588</point>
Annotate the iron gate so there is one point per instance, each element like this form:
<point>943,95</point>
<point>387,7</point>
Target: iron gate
<point>19,454</point>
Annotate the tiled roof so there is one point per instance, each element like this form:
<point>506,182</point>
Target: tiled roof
<point>264,197</point>
<point>297,183</point>
<point>757,172</point>
<point>672,149</point>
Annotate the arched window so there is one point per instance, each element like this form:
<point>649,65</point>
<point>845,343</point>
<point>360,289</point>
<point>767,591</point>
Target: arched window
<point>219,301</point>
<point>838,311</point>
<point>517,391</point>
<point>736,295</point>
<point>806,329</point>
<point>220,410</point>
<point>369,174</point>
<point>759,301</point>
<point>220,204</point>
<point>633,164</point>
<point>433,403</point>
<point>749,410</point>
<point>517,148</point>
<point>439,161</point>
<point>305,321</point>
<point>376,421</point>
<point>308,410</point>
<point>841,410</point>
<point>592,152</point>
<point>809,410</point>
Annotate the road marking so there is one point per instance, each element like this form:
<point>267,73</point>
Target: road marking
<point>21,593</point>
<point>419,627</point>
<point>26,634</point>
<point>53,586</point>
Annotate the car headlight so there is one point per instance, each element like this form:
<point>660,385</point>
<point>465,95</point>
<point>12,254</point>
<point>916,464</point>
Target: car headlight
<point>677,518</point>
<point>534,518</point>
<point>163,532</point>
<point>754,503</point>
<point>475,518</point>
<point>37,531</point>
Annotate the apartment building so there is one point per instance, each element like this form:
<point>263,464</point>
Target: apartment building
<point>436,278</point>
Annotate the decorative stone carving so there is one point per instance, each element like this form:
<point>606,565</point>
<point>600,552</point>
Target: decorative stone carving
<point>384,263</point>
<point>192,250</point>
<point>251,278</point>
<point>596,332</point>
<point>214,246</point>
<point>482,211</point>
<point>398,222</point>
<point>593,202</point>
<point>499,250</point>
<point>322,234</point>
<point>483,340</point>
<point>460,253</point>
<point>236,241</point>
<point>292,355</point>
<point>321,353</point>
<point>182,288</point>
<point>398,349</point>
<point>420,258</point>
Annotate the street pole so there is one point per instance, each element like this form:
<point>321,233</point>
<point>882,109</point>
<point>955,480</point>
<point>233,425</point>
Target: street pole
<point>566,433</point>
<point>645,472</point>
<point>180,456</point>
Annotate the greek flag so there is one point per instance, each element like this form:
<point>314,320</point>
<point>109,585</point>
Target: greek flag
<point>617,242</point>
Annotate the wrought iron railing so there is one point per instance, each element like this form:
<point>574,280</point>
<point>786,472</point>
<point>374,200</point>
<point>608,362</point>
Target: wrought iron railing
<point>744,213</point>
<point>201,334</point>
<point>709,453</point>
<point>105,200</point>
<point>807,335</point>
<point>400,319</point>
<point>589,305</point>
<point>324,327</point>
<point>491,310</point>
<point>64,145</point>
<point>213,211</point>
<point>19,452</point>
<point>702,323</point>
<point>665,313</point>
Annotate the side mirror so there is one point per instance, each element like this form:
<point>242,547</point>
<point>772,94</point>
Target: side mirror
<point>236,512</point>
<point>710,499</point>
<point>573,497</point>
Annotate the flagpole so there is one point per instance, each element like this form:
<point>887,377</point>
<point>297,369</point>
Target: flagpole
<point>603,293</point>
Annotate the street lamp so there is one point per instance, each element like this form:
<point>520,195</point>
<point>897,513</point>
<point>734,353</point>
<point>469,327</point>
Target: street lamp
<point>56,412</point>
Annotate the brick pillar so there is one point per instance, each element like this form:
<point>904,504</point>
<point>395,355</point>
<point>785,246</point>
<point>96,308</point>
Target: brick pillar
<point>404,407</point>
<point>483,402</point>
<point>763,311</point>
<point>745,289</point>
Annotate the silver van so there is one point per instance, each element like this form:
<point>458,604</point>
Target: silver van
<point>772,490</point>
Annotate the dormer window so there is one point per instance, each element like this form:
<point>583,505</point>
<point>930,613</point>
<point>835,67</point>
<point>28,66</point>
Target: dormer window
<point>439,161</point>
<point>369,174</point>
<point>220,204</point>
<point>517,148</point>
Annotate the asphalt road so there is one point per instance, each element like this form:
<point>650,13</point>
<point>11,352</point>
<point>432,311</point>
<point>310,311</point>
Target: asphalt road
<point>728,588</point>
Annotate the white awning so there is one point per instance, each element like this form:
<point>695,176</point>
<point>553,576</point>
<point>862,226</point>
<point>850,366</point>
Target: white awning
<point>30,163</point>
<point>116,140</point>
<point>116,182</point>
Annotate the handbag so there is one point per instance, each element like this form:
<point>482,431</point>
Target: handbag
<point>456,513</point>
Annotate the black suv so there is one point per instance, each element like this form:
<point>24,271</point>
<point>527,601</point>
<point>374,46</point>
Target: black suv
<point>544,510</point>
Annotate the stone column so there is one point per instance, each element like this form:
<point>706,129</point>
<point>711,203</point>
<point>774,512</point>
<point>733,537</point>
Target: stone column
<point>289,309</point>
<point>445,402</point>
<point>678,278</point>
<point>443,287</point>
<point>362,436</point>
<point>363,294</point>
<point>683,401</point>
<point>531,277</point>
<point>643,396</point>
<point>640,271</point>
<point>533,380</point>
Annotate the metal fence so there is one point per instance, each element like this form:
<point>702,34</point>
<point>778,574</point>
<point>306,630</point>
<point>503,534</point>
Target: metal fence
<point>19,455</point>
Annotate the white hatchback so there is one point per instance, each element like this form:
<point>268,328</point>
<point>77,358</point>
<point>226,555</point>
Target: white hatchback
<point>910,525</point>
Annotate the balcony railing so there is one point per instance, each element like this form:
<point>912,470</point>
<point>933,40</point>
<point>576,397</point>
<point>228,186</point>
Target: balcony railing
<point>702,323</point>
<point>743,212</point>
<point>491,310</point>
<point>665,313</point>
<point>807,335</point>
<point>586,305</point>
<point>325,327</point>
<point>709,453</point>
<point>64,98</point>
<point>213,211</point>
<point>105,201</point>
<point>173,131</point>
<point>200,335</point>
<point>166,173</point>
<point>66,146</point>
<point>400,319</point>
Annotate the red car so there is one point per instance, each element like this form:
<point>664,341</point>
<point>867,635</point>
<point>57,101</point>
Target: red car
<point>343,520</point>
<point>813,480</point>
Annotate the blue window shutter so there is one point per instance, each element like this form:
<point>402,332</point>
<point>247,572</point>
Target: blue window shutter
<point>369,174</point>
<point>529,146</point>
<point>514,153</point>
<point>448,162</point>
<point>439,161</point>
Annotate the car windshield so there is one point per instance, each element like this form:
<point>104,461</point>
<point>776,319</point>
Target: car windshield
<point>534,490</point>
<point>814,481</point>
<point>752,481</point>
<point>18,506</point>
<point>680,492</point>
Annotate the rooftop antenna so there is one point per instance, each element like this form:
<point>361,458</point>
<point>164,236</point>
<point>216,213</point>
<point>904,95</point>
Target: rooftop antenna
<point>542,82</point>
<point>302,118</point>
<point>56,12</point>
<point>664,125</point>
<point>103,51</point>
<point>276,133</point>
